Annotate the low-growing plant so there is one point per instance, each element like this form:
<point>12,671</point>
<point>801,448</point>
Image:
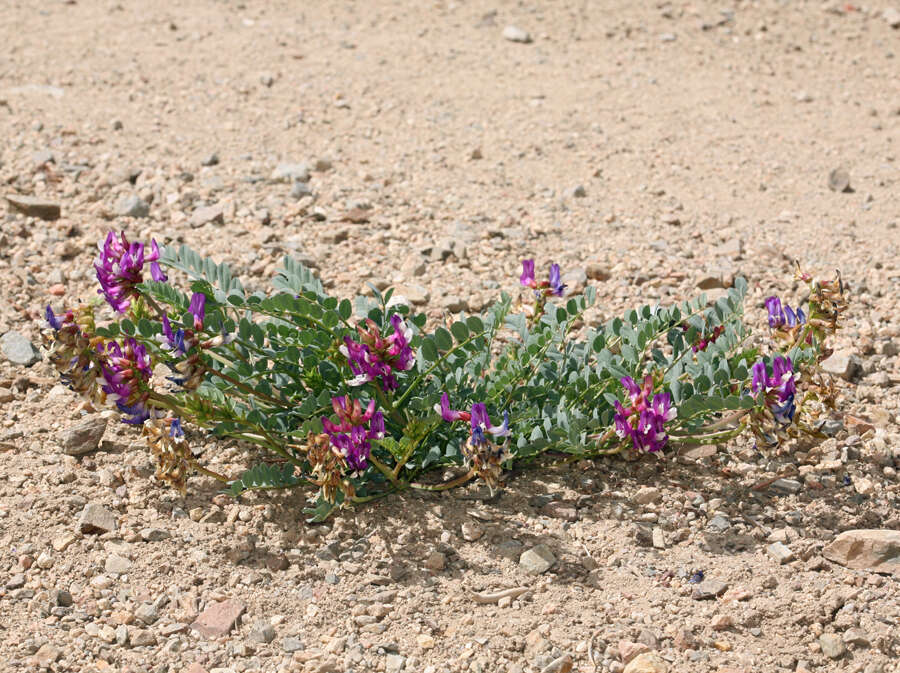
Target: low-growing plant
<point>359,399</point>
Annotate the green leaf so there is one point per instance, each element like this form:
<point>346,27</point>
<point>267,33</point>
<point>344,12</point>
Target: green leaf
<point>460,331</point>
<point>442,339</point>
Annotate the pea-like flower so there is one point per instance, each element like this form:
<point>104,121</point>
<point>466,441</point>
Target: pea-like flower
<point>552,287</point>
<point>350,436</point>
<point>378,357</point>
<point>120,268</point>
<point>126,371</point>
<point>197,308</point>
<point>643,422</point>
<point>778,388</point>
<point>480,451</point>
<point>782,315</point>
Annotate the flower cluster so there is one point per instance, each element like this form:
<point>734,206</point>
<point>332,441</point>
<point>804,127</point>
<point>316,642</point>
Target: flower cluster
<point>120,268</point>
<point>704,340</point>
<point>349,435</point>
<point>73,351</point>
<point>481,453</point>
<point>782,315</point>
<point>778,388</point>
<point>174,460</point>
<point>327,467</point>
<point>185,347</point>
<point>643,422</point>
<point>546,288</point>
<point>378,357</point>
<point>125,374</point>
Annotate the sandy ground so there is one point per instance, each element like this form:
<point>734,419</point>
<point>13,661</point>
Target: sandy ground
<point>649,148</point>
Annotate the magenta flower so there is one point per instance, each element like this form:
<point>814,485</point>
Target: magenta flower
<point>197,309</point>
<point>350,436</point>
<point>554,286</point>
<point>125,373</point>
<point>778,388</point>
<point>120,268</point>
<point>527,277</point>
<point>644,421</point>
<point>377,357</point>
<point>448,414</point>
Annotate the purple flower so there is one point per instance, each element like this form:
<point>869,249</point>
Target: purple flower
<point>448,414</point>
<point>644,421</point>
<point>783,315</point>
<point>197,309</point>
<point>175,430</point>
<point>527,277</point>
<point>545,288</point>
<point>557,287</point>
<point>778,389</point>
<point>171,340</point>
<point>351,437</point>
<point>125,373</point>
<point>120,269</point>
<point>55,322</point>
<point>481,423</point>
<point>379,357</point>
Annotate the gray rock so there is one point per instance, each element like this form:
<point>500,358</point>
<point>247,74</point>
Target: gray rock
<point>455,304</point>
<point>839,180</point>
<point>41,157</point>
<point>515,34</point>
<point>510,549</point>
<point>844,364</point>
<point>780,552</point>
<point>892,16</point>
<point>96,519</point>
<point>117,564</point>
<point>35,207</point>
<point>575,281</point>
<point>436,561</point>
<point>578,192</point>
<point>17,581</point>
<point>873,549</point>
<point>210,160</point>
<point>262,632</point>
<point>290,173</point>
<point>394,663</point>
<point>154,534</point>
<point>206,215</point>
<point>300,189</point>
<point>19,350</point>
<point>84,436</point>
<point>141,637</point>
<point>147,613</point>
<point>291,644</point>
<point>719,523</point>
<point>786,486</point>
<point>832,645</point>
<point>132,206</point>
<point>322,164</point>
<point>709,590</point>
<point>537,560</point>
<point>121,635</point>
<point>647,495</point>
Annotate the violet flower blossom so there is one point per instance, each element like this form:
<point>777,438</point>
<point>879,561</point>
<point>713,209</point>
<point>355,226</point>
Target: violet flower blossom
<point>778,388</point>
<point>478,418</point>
<point>350,436</point>
<point>125,372</point>
<point>197,308</point>
<point>783,315</point>
<point>379,357</point>
<point>546,288</point>
<point>120,268</point>
<point>643,422</point>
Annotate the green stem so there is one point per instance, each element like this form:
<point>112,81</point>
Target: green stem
<point>247,389</point>
<point>381,467</point>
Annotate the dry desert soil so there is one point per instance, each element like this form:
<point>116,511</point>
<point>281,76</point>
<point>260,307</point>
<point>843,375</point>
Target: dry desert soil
<point>651,148</point>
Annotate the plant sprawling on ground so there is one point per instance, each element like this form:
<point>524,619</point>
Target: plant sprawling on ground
<point>358,399</point>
